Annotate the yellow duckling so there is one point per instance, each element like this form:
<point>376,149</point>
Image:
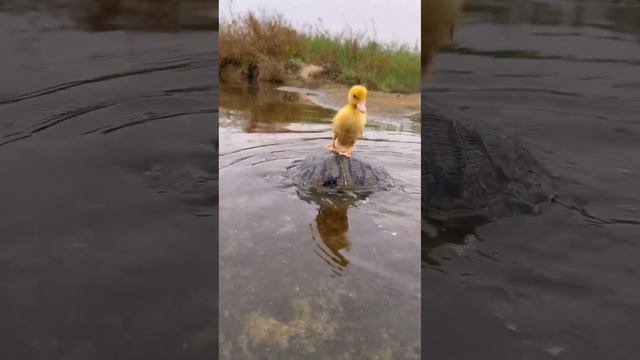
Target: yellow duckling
<point>438,25</point>
<point>349,122</point>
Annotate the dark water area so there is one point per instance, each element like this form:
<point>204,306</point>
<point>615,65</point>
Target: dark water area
<point>108,174</point>
<point>314,277</point>
<point>563,79</point>
<point>106,15</point>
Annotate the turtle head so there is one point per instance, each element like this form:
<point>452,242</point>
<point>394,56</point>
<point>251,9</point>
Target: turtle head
<point>358,98</point>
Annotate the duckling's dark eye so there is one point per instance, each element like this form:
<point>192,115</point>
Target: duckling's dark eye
<point>354,96</point>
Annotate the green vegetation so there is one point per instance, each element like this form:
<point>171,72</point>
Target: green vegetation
<point>273,46</point>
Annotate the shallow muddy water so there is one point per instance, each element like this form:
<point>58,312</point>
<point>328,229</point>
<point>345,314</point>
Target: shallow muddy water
<point>107,190</point>
<point>563,78</point>
<point>316,278</point>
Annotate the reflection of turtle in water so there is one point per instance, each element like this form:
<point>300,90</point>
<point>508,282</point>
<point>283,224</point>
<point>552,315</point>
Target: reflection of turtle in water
<point>332,224</point>
<point>335,183</point>
<point>328,172</point>
<point>474,175</point>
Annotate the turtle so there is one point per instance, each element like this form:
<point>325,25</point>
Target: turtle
<point>328,173</point>
<point>473,175</point>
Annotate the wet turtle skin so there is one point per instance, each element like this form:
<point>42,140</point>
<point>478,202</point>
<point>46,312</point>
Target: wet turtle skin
<point>328,172</point>
<point>473,175</point>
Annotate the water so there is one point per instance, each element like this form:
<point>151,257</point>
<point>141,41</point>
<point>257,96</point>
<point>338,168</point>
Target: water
<point>108,171</point>
<point>108,188</point>
<point>314,278</point>
<point>563,78</point>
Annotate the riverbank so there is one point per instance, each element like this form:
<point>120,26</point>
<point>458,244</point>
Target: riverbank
<point>269,49</point>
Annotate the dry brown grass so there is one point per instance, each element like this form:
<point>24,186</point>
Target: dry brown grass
<point>247,39</point>
<point>266,47</point>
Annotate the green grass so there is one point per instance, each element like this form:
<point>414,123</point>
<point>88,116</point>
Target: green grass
<point>348,59</point>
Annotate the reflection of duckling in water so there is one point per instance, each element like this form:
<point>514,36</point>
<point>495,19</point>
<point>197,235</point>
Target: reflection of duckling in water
<point>332,224</point>
<point>349,122</point>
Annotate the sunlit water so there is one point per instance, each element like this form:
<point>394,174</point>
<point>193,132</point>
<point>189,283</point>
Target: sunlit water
<point>314,279</point>
<point>564,79</point>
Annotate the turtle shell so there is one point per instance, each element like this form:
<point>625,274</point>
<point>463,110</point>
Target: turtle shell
<point>329,172</point>
<point>474,175</point>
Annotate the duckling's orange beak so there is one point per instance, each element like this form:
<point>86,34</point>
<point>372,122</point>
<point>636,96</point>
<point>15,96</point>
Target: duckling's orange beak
<point>360,105</point>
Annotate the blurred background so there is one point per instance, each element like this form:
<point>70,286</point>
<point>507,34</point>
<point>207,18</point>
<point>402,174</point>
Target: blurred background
<point>563,79</point>
<point>150,15</point>
<point>108,151</point>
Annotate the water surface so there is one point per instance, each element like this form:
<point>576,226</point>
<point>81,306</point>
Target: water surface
<point>314,278</point>
<point>108,189</point>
